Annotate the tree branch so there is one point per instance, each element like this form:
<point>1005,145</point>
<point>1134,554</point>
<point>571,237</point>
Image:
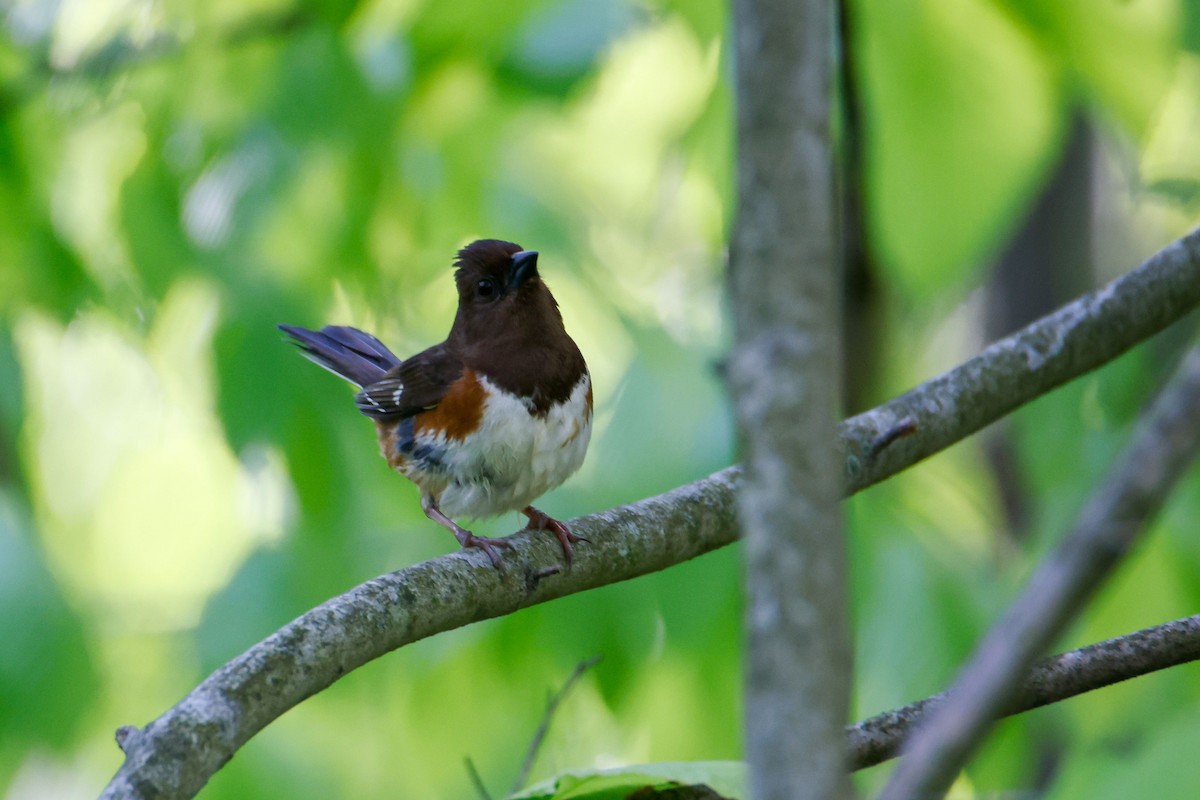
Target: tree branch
<point>784,380</point>
<point>1080,336</point>
<point>176,754</point>
<point>1164,444</point>
<point>1052,680</point>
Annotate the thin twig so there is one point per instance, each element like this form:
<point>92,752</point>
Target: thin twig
<point>539,736</point>
<point>476,779</point>
<point>1164,443</point>
<point>1057,678</point>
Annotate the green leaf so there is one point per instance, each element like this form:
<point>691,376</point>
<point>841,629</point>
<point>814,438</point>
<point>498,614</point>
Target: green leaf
<point>726,778</point>
<point>35,265</point>
<point>963,115</point>
<point>47,679</point>
<point>1162,765</point>
<point>150,215</point>
<point>1121,54</point>
<point>559,45</point>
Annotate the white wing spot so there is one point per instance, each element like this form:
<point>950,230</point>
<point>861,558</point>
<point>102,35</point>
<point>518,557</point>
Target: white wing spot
<point>396,394</point>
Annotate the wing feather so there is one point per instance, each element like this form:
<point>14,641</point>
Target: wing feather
<point>417,384</point>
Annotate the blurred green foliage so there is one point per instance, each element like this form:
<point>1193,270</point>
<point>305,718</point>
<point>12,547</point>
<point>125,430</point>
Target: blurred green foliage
<point>176,178</point>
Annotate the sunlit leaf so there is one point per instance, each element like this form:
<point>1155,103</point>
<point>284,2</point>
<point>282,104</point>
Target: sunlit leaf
<point>963,113</point>
<point>726,778</point>
<point>1122,54</point>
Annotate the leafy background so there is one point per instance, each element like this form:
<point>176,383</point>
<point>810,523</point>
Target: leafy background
<point>177,177</point>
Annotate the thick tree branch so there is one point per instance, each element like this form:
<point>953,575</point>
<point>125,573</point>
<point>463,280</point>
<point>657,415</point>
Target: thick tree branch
<point>784,380</point>
<point>1052,680</point>
<point>1164,444</point>
<point>176,754</point>
<point>1059,347</point>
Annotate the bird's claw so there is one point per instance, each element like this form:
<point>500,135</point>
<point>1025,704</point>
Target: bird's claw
<point>541,521</point>
<point>487,545</point>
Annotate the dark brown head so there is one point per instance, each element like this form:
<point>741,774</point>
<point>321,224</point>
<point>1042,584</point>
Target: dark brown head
<point>500,293</point>
<point>508,326</point>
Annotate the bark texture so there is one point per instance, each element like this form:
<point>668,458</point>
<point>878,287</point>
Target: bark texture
<point>785,376</point>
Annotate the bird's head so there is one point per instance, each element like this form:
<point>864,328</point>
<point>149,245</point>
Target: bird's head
<point>500,292</point>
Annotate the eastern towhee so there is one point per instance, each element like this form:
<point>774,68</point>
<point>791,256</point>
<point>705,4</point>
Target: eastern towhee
<point>490,419</point>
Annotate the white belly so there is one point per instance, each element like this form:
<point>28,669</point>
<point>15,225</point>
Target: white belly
<point>525,457</point>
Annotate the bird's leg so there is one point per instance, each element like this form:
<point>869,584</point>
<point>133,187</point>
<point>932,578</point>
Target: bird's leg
<point>541,521</point>
<point>464,536</point>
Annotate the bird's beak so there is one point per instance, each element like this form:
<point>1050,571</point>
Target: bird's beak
<point>524,267</point>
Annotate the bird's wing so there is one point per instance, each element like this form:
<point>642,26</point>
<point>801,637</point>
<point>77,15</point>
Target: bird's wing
<point>415,385</point>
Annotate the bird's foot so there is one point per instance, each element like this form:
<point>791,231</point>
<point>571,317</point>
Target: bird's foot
<point>465,537</point>
<point>541,521</point>
<point>484,543</point>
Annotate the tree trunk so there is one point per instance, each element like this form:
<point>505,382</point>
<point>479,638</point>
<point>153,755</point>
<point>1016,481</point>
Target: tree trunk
<point>784,377</point>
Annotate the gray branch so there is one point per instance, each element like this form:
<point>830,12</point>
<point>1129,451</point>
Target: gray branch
<point>784,380</point>
<point>1061,346</point>
<point>1052,680</point>
<point>1164,444</point>
<point>176,754</point>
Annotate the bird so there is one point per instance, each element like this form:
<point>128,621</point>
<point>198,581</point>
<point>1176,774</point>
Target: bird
<point>490,419</point>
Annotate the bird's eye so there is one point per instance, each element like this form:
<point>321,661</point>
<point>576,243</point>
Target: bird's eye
<point>486,288</point>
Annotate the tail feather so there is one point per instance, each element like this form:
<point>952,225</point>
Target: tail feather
<point>346,352</point>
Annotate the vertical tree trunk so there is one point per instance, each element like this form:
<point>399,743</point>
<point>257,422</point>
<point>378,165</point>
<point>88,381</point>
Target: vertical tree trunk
<point>784,378</point>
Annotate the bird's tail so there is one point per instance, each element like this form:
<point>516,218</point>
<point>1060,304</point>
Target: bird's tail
<point>346,352</point>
